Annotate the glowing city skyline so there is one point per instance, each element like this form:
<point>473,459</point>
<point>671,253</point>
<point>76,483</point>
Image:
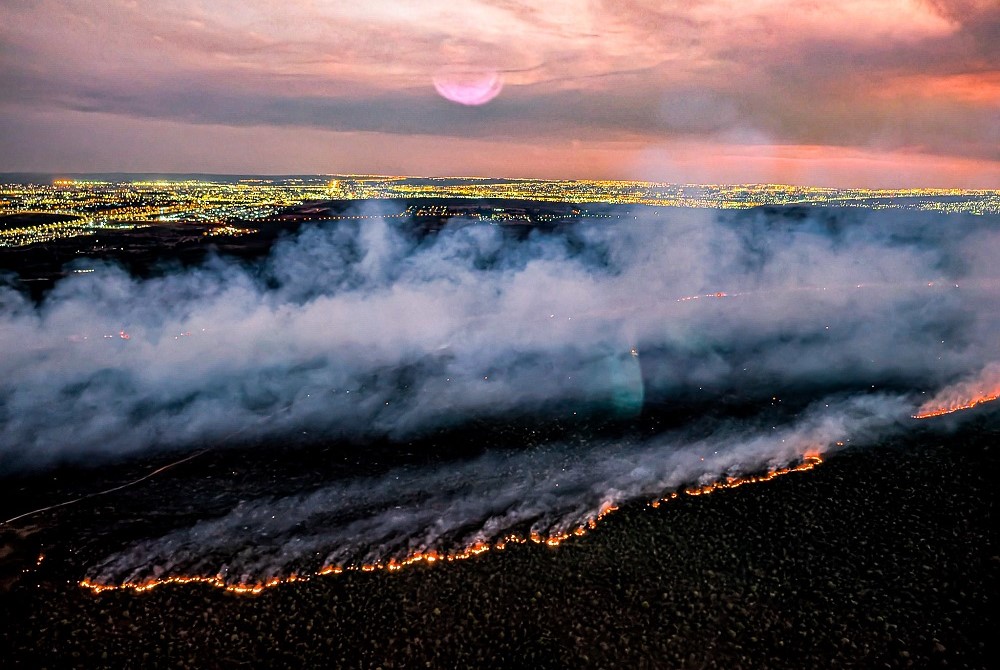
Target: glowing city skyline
<point>87,206</point>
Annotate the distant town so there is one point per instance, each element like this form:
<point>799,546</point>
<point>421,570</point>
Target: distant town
<point>40,208</point>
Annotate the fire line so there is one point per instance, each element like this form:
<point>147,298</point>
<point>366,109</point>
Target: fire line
<point>809,462</point>
<point>957,407</point>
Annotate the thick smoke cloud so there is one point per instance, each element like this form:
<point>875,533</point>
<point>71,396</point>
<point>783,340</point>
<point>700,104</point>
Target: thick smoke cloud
<point>365,329</point>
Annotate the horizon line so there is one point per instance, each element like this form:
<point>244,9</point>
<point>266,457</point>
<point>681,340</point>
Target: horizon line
<point>54,175</point>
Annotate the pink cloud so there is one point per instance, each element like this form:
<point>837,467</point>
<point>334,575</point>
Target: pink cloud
<point>917,80</point>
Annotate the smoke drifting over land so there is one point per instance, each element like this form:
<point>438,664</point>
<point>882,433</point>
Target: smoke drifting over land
<point>362,328</point>
<point>369,330</point>
<point>965,394</point>
<point>544,492</point>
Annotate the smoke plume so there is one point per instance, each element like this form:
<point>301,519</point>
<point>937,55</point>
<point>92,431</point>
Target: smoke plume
<point>365,328</point>
<point>372,330</point>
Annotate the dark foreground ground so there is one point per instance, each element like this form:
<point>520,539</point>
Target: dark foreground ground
<point>884,557</point>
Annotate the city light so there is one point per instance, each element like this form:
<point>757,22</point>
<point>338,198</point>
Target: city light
<point>37,213</point>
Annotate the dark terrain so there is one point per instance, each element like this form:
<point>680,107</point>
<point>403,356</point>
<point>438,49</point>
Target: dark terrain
<point>881,557</point>
<point>884,556</point>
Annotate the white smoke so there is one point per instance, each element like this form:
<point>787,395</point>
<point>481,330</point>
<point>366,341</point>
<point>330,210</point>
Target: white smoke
<point>369,330</point>
<point>316,337</point>
<point>964,394</point>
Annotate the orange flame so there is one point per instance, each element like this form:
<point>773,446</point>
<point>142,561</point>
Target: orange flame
<point>809,461</point>
<point>957,406</point>
<point>985,387</point>
<point>717,294</point>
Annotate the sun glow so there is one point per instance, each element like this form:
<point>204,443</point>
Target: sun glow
<point>471,88</point>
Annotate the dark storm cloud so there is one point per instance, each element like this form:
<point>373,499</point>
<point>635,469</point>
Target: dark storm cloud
<point>685,111</point>
<point>980,23</point>
<point>793,114</point>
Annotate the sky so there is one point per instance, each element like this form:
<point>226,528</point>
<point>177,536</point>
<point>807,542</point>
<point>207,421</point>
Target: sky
<point>866,93</point>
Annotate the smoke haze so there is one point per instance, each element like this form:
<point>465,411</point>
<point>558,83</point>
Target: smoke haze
<point>473,322</point>
<point>367,330</point>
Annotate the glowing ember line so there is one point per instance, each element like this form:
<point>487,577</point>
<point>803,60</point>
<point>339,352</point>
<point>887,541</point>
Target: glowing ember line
<point>105,491</point>
<point>717,294</point>
<point>982,388</point>
<point>809,462</point>
<point>950,409</point>
<point>155,472</point>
